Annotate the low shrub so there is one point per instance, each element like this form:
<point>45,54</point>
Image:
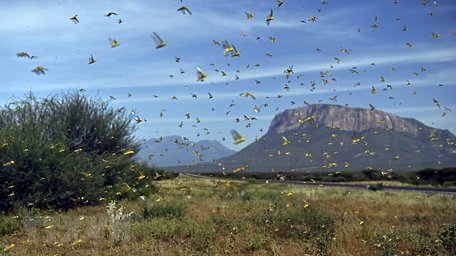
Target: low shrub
<point>447,236</point>
<point>119,223</point>
<point>9,225</point>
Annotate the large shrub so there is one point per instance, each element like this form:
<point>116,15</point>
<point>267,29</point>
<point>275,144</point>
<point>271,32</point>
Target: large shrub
<point>66,150</point>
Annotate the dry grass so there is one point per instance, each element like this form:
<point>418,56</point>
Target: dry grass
<point>216,217</point>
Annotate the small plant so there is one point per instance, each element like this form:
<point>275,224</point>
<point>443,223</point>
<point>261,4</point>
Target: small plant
<point>119,223</point>
<point>199,236</point>
<point>447,236</point>
<point>310,224</point>
<point>166,210</point>
<point>245,195</point>
<point>388,251</point>
<point>9,226</point>
<point>421,241</point>
<point>258,242</point>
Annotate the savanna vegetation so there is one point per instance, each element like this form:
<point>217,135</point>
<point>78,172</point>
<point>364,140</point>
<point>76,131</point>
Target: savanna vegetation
<point>69,186</point>
<point>219,217</point>
<point>435,177</point>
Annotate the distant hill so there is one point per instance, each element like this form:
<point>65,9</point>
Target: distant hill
<point>175,151</point>
<point>333,137</point>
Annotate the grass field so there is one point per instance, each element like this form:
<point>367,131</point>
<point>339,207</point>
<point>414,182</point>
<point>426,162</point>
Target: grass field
<point>216,217</point>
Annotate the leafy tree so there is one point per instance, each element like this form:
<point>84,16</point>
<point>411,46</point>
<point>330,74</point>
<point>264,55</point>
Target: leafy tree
<point>67,150</point>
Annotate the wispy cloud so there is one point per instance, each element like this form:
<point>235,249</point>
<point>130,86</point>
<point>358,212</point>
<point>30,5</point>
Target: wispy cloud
<point>136,67</point>
<point>381,59</point>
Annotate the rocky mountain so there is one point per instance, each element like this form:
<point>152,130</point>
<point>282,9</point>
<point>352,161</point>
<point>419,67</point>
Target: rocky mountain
<point>336,138</point>
<point>340,117</point>
<point>175,150</point>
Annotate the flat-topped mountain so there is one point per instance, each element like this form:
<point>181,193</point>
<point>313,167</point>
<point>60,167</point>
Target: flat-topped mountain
<point>340,117</point>
<point>333,137</point>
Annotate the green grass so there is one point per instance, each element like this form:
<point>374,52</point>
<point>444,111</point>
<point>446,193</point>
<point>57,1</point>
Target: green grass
<point>9,225</point>
<point>167,210</point>
<point>219,217</point>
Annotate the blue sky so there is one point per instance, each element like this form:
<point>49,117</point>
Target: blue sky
<point>135,67</point>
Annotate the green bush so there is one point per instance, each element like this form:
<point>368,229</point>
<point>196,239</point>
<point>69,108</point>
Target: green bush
<point>67,150</point>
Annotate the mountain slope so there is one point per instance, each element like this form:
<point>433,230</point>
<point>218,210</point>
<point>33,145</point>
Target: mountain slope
<point>174,151</point>
<point>332,137</point>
